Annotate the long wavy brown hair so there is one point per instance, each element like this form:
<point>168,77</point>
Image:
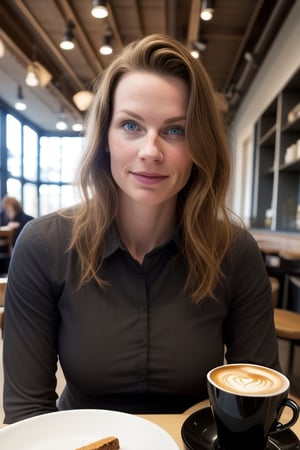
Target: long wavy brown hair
<point>202,214</point>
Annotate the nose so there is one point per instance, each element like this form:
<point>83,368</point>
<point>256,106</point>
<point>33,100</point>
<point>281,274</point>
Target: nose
<point>151,147</point>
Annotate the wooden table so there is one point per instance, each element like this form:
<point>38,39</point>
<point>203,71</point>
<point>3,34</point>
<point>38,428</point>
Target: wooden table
<point>6,237</point>
<point>172,423</point>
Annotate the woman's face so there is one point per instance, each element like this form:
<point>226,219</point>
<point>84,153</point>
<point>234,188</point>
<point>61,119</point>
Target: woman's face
<point>146,138</point>
<point>10,212</point>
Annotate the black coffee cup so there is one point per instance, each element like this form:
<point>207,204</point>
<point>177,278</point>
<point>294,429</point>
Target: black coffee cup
<point>247,401</point>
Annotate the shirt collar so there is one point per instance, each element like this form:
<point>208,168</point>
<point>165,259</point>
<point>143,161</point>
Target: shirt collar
<point>114,243</point>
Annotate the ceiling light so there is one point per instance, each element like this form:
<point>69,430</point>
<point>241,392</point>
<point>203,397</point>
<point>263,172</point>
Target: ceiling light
<point>207,10</point>
<point>31,77</point>
<point>37,74</point>
<point>83,99</point>
<point>77,127</point>
<point>99,9</point>
<point>61,124</point>
<point>106,47</point>
<point>20,104</point>
<point>68,36</point>
<point>200,45</point>
<point>2,48</point>
<point>195,53</point>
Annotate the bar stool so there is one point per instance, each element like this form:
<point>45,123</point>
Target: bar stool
<point>290,266</point>
<point>287,326</point>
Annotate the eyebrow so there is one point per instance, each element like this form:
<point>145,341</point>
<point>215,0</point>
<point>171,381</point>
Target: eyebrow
<point>137,116</point>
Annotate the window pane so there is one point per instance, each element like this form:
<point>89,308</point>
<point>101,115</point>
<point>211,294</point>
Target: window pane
<point>70,154</point>
<point>30,199</point>
<point>14,188</point>
<point>50,159</point>
<point>13,143</point>
<point>49,198</point>
<point>68,196</point>
<point>30,154</point>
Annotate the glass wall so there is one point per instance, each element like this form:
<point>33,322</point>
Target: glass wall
<point>38,170</point>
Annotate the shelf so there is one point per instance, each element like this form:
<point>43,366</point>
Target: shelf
<point>292,127</point>
<point>276,182</point>
<point>268,139</point>
<point>290,167</point>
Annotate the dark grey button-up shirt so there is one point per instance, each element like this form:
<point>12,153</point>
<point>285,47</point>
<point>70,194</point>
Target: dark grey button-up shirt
<point>140,345</point>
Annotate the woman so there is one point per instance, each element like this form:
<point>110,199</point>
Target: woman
<point>140,288</point>
<point>13,215</point>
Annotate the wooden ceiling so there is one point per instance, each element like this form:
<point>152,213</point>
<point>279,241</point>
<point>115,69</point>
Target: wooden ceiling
<point>236,41</point>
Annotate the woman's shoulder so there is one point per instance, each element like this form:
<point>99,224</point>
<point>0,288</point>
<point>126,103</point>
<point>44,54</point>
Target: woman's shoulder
<point>241,235</point>
<point>243,246</point>
<point>53,227</point>
<point>59,218</point>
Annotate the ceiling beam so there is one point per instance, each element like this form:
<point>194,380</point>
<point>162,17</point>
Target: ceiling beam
<point>65,67</point>
<point>81,36</point>
<point>193,24</point>
<point>243,44</point>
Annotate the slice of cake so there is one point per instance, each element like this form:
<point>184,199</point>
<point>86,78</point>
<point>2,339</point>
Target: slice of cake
<point>108,443</point>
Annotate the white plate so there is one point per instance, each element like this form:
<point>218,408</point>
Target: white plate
<point>68,430</point>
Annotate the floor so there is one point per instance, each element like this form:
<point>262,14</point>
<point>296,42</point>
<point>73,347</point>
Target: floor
<point>283,349</point>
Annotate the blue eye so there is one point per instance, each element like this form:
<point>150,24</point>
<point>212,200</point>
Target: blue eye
<point>130,126</point>
<point>175,131</point>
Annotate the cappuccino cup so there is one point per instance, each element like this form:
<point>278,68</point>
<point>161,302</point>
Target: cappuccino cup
<point>247,401</point>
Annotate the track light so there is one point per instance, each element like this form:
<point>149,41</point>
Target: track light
<point>207,10</point>
<point>61,124</point>
<point>68,36</point>
<point>195,53</point>
<point>77,127</point>
<point>99,9</point>
<point>20,104</point>
<point>106,47</point>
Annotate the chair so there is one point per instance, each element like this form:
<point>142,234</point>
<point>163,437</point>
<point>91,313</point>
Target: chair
<point>287,325</point>
<point>6,245</point>
<point>290,266</point>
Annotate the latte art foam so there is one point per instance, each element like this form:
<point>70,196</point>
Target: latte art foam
<point>249,380</point>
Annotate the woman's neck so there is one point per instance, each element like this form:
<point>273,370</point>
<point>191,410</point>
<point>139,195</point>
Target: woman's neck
<point>143,227</point>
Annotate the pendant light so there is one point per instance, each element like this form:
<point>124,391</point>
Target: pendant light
<point>61,124</point>
<point>31,77</point>
<point>37,74</point>
<point>20,104</point>
<point>67,42</point>
<point>99,10</point>
<point>207,10</point>
<point>106,47</point>
<point>83,99</point>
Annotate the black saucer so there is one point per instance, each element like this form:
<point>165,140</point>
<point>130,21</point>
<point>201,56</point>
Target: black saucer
<point>199,433</point>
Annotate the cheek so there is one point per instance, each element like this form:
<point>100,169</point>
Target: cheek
<point>184,164</point>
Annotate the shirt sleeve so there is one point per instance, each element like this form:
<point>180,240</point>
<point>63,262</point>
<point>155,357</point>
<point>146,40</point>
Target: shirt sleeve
<point>249,327</point>
<point>30,331</point>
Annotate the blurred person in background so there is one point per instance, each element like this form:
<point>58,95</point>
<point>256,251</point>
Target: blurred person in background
<point>13,216</point>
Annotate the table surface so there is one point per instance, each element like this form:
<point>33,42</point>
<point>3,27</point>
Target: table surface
<point>172,423</point>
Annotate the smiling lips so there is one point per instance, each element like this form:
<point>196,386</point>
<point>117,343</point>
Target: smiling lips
<point>148,178</point>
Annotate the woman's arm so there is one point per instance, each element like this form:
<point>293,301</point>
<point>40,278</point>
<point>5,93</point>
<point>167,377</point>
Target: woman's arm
<point>30,331</point>
<point>249,328</point>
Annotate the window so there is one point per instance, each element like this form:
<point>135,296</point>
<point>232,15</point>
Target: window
<point>40,169</point>
<point>13,144</point>
<point>30,199</point>
<point>30,154</point>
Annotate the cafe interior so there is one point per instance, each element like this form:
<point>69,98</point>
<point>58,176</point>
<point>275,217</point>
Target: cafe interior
<point>51,52</point>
